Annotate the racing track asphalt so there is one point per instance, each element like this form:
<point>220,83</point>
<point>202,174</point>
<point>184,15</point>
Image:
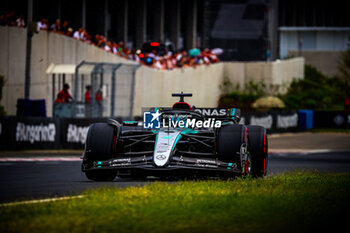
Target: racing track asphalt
<point>42,179</point>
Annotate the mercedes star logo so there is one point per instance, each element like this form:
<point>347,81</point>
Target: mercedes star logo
<point>160,157</point>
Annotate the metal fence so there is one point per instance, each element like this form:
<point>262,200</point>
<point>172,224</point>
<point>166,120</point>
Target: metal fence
<point>116,83</point>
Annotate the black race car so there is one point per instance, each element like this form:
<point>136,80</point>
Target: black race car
<point>176,142</point>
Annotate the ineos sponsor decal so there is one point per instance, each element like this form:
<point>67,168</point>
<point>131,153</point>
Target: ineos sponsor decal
<point>35,133</point>
<point>77,133</point>
<point>284,122</point>
<point>120,164</point>
<point>206,165</point>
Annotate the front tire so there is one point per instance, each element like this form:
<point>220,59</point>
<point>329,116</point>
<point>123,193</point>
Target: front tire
<point>232,141</point>
<point>100,146</point>
<point>258,149</point>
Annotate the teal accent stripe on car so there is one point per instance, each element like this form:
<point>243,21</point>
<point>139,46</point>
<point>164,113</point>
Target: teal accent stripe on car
<point>189,131</point>
<point>177,139</point>
<point>185,131</point>
<point>155,142</point>
<point>233,113</point>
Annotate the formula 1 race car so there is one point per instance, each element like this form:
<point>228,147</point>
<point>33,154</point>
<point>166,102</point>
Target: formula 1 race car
<point>176,142</point>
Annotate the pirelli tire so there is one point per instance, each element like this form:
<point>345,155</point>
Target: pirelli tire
<point>231,140</point>
<point>100,146</point>
<point>258,149</point>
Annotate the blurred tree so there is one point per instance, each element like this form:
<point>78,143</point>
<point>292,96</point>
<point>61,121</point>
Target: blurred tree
<point>315,91</point>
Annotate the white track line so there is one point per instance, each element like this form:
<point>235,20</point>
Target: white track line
<point>39,159</point>
<point>299,151</point>
<point>40,200</point>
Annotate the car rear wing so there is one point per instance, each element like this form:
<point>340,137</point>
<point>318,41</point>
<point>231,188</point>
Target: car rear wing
<point>224,114</point>
<point>220,113</point>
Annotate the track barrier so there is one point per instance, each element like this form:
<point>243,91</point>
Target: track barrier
<point>18,133</point>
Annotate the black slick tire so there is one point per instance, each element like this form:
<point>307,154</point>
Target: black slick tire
<point>230,140</point>
<point>100,146</point>
<point>258,149</point>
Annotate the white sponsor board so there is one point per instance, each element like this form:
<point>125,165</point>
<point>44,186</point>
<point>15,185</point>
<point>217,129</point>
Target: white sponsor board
<point>284,122</point>
<point>265,122</point>
<point>76,133</point>
<point>35,133</point>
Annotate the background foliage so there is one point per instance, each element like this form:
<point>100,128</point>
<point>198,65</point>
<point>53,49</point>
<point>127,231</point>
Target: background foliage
<point>315,91</point>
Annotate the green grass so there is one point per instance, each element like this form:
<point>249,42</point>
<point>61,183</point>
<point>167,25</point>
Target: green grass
<point>292,202</point>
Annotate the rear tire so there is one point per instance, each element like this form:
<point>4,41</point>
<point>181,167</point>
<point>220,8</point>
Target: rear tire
<point>100,146</point>
<point>258,149</point>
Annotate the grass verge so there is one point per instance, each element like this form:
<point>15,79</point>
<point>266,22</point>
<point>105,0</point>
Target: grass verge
<point>291,202</point>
